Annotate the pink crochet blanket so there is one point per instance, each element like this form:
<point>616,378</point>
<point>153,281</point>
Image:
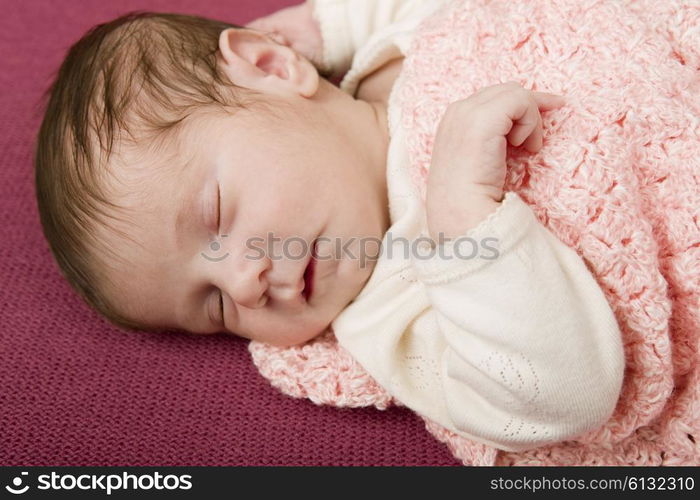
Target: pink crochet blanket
<point>618,180</point>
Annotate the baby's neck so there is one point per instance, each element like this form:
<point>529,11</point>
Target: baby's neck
<point>374,89</point>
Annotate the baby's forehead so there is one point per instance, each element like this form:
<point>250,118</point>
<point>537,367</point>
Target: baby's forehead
<point>154,167</point>
<point>144,179</point>
<point>147,154</point>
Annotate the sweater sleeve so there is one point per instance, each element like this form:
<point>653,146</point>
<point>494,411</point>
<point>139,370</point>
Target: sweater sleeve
<point>346,25</point>
<point>533,353</point>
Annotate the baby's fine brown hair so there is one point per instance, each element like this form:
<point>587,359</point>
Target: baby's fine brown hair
<point>138,76</point>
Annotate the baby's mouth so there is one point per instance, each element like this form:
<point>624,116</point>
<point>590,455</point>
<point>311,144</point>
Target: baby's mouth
<point>309,274</point>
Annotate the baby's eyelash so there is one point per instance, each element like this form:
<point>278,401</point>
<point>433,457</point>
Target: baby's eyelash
<point>221,303</point>
<point>218,210</point>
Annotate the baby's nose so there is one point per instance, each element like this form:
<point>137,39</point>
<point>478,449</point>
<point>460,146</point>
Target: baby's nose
<point>248,283</point>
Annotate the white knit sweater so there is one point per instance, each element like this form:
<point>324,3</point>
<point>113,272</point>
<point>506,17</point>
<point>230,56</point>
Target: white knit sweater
<point>515,351</point>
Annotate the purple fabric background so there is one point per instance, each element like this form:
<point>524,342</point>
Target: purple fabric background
<point>75,390</point>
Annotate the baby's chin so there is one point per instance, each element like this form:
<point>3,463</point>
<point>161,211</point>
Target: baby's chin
<point>297,328</point>
<point>330,299</point>
<point>290,339</point>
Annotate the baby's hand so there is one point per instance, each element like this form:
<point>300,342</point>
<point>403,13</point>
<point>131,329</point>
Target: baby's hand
<point>468,165</point>
<point>295,27</point>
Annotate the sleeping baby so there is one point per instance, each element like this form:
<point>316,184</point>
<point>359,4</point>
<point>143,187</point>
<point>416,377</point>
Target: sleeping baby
<point>207,177</point>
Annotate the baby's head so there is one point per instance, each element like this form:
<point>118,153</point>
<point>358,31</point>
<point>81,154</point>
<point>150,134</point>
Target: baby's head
<point>185,164</point>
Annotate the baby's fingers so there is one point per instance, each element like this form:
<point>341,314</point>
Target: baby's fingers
<point>534,141</point>
<point>526,126</point>
<point>529,130</point>
<point>546,101</point>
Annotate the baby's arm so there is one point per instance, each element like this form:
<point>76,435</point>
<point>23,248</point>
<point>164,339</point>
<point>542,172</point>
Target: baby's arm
<point>534,354</point>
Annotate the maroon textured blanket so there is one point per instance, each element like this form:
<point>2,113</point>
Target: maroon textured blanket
<point>77,391</point>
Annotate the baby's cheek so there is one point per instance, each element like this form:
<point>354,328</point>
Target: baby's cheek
<point>325,249</point>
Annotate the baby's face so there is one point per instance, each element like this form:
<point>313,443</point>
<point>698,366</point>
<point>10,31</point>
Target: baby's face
<point>226,232</point>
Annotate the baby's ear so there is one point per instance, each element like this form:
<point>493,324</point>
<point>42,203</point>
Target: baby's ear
<point>255,61</point>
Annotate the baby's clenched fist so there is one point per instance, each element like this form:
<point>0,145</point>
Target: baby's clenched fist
<point>468,165</point>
